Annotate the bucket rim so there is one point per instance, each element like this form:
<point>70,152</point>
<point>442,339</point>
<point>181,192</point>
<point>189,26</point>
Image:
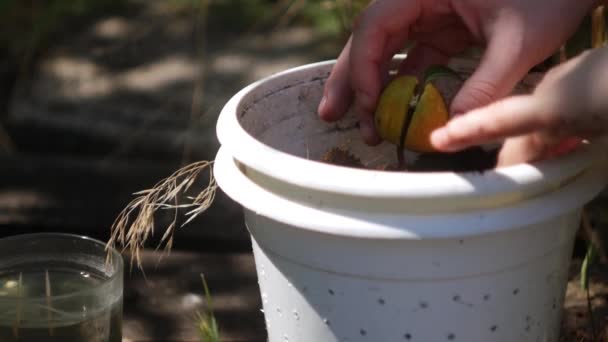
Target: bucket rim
<point>336,218</point>
<point>516,182</point>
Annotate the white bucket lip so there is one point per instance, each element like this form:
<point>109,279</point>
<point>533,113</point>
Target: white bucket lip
<point>234,181</point>
<point>516,182</point>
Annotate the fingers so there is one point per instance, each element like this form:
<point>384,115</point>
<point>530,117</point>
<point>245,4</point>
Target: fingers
<point>533,147</point>
<point>532,132</point>
<point>509,117</point>
<point>502,66</point>
<point>357,74</point>
<point>375,28</point>
<point>523,149</point>
<point>378,34</point>
<point>419,58</point>
<point>337,94</point>
<point>559,107</point>
<point>435,48</point>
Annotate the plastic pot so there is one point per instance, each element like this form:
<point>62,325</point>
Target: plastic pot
<point>346,254</point>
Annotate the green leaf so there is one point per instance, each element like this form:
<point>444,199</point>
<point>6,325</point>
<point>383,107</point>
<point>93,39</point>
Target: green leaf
<point>439,71</point>
<point>587,263</point>
<point>206,323</point>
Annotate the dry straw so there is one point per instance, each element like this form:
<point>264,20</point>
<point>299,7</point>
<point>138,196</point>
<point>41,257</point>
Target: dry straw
<point>135,223</point>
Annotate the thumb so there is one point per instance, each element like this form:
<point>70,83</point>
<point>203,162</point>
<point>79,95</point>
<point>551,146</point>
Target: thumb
<point>501,67</point>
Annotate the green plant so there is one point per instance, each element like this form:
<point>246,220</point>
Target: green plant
<point>591,34</point>
<point>589,260</point>
<point>206,323</point>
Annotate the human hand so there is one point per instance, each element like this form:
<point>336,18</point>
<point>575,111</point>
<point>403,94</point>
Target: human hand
<point>518,34</point>
<point>568,105</point>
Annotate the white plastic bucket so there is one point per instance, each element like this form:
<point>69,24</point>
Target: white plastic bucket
<point>357,255</point>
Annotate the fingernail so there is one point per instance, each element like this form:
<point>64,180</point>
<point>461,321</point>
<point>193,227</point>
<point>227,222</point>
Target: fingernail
<point>440,139</point>
<point>368,131</point>
<point>323,102</point>
<point>321,108</point>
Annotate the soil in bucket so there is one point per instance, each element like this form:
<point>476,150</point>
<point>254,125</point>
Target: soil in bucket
<point>474,159</point>
<point>408,110</point>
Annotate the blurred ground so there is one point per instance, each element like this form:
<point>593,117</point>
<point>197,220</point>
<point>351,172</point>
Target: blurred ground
<point>117,103</point>
<point>112,108</point>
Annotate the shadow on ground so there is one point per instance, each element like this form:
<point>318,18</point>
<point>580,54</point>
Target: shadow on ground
<point>122,102</point>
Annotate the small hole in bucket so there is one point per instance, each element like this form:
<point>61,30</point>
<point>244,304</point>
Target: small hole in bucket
<point>407,336</point>
<point>362,332</point>
<point>331,292</point>
<point>451,337</point>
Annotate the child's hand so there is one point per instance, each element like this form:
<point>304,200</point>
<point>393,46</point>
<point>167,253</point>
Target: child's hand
<point>518,34</point>
<point>570,104</point>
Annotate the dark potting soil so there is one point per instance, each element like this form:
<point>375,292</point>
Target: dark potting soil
<point>340,156</point>
<point>474,159</point>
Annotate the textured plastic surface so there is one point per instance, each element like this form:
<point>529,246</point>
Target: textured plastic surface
<point>357,255</point>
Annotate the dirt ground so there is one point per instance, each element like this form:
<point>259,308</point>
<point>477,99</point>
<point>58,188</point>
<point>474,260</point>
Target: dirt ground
<point>141,91</point>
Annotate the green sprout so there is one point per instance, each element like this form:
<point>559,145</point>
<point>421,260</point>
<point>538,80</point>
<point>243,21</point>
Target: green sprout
<point>206,324</point>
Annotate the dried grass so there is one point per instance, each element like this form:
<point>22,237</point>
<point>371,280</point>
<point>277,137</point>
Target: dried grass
<point>135,223</point>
